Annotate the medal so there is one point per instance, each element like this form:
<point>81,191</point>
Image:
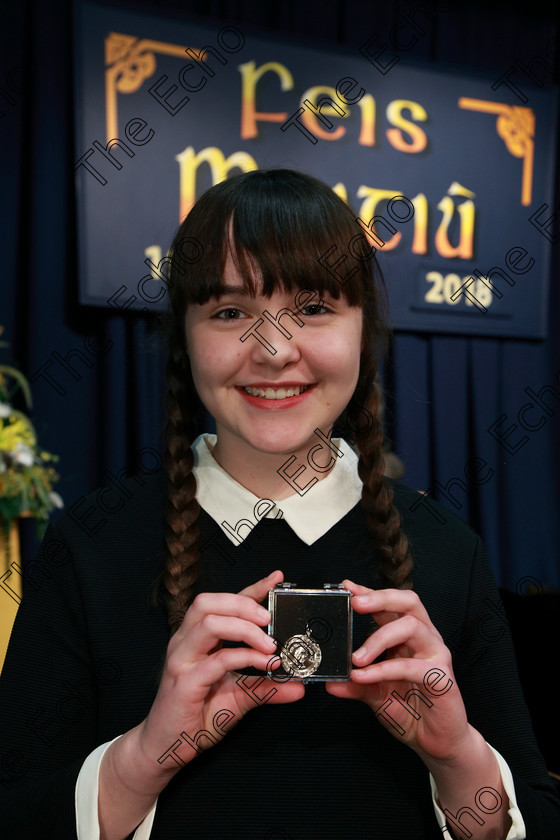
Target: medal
<point>301,655</point>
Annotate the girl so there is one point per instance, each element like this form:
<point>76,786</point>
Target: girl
<point>149,724</point>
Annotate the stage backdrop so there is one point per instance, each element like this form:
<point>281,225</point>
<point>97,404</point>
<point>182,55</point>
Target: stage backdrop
<point>98,373</point>
<point>450,175</point>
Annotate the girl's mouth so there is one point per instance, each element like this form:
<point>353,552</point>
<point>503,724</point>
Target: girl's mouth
<point>275,398</point>
<point>276,393</point>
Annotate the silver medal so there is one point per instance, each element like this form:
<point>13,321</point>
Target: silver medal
<point>301,655</point>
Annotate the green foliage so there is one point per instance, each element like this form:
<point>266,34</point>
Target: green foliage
<point>27,474</point>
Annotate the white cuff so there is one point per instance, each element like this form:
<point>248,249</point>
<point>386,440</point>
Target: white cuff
<point>517,830</point>
<point>87,792</point>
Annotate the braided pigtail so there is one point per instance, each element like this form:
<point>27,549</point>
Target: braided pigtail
<point>383,519</point>
<point>182,512</point>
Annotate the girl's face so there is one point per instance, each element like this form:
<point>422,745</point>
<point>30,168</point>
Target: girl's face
<point>321,359</point>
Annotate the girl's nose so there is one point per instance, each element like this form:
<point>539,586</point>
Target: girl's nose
<point>270,335</point>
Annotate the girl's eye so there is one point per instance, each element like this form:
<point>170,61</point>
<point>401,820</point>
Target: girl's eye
<point>314,309</point>
<point>229,314</point>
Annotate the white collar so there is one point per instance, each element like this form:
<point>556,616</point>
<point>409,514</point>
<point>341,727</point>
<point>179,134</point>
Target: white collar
<point>236,510</point>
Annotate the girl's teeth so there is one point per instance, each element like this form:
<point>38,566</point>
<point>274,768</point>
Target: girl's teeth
<point>279,394</point>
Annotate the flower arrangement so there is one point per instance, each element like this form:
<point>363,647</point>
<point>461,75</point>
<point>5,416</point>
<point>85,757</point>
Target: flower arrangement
<point>26,472</point>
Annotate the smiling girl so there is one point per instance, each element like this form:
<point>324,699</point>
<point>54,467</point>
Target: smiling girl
<point>278,350</point>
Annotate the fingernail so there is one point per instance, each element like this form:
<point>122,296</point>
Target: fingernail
<point>263,613</point>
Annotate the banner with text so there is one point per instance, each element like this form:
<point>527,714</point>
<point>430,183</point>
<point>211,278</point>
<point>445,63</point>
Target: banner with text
<point>451,177</point>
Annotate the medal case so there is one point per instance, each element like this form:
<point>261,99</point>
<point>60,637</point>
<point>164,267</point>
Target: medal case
<point>313,629</point>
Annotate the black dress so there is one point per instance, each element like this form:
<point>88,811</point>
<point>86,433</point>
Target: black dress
<point>88,647</point>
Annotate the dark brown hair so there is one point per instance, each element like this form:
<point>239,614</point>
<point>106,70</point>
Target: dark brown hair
<point>280,222</point>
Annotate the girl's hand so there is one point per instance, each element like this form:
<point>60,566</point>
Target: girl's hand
<point>197,683</point>
<point>413,692</point>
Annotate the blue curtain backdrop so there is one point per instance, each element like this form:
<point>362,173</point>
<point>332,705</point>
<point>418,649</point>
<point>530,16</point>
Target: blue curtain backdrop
<point>443,393</point>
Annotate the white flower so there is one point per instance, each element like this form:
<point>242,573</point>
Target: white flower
<point>56,500</point>
<point>5,410</point>
<point>23,455</point>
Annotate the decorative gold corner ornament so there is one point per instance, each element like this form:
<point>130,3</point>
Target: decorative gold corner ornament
<point>516,127</point>
<point>129,62</point>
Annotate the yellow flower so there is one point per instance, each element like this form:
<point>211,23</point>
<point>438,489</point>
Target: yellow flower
<point>20,430</point>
